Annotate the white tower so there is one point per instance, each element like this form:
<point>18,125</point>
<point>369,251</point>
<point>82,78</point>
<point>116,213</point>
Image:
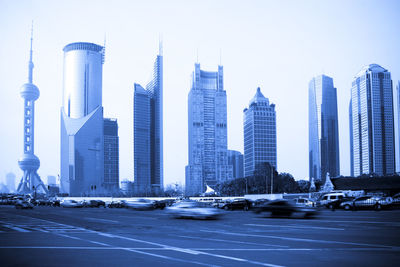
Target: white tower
<point>29,163</point>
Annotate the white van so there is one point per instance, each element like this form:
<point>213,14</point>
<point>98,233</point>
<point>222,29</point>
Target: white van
<point>327,198</point>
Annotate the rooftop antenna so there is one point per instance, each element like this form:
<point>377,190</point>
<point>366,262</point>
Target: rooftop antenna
<point>197,55</point>
<point>160,45</point>
<point>30,78</point>
<point>220,57</point>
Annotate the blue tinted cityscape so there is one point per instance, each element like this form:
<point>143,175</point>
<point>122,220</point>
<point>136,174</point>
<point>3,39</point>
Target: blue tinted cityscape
<point>173,133</point>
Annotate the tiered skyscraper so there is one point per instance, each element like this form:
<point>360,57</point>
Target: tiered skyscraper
<point>323,132</point>
<point>29,163</point>
<point>207,118</point>
<point>82,133</point>
<point>148,132</point>
<point>372,122</point>
<point>259,123</point>
<point>111,155</point>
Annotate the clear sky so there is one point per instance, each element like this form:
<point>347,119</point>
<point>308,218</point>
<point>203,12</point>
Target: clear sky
<point>277,45</point>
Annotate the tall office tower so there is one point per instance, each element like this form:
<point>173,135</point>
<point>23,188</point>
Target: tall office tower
<point>235,158</point>
<point>259,123</point>
<point>398,126</point>
<point>82,138</point>
<point>323,132</point>
<point>29,162</point>
<point>111,155</point>
<point>351,141</point>
<point>373,140</point>
<point>207,118</point>
<point>148,132</point>
<point>10,182</point>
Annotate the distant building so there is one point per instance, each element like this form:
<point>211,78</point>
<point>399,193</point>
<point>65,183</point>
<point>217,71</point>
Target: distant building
<point>323,132</point>
<point>148,132</point>
<point>127,187</point>
<point>235,158</point>
<point>111,155</point>
<point>207,127</point>
<point>259,125</point>
<point>372,122</point>
<point>10,182</point>
<point>82,144</point>
<point>398,125</point>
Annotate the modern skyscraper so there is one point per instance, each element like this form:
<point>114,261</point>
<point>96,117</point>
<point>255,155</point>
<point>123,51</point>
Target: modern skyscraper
<point>82,138</point>
<point>29,163</point>
<point>372,121</point>
<point>259,123</point>
<point>323,132</point>
<point>235,158</point>
<point>207,118</point>
<point>111,155</point>
<point>148,132</point>
<point>398,126</point>
<point>10,182</point>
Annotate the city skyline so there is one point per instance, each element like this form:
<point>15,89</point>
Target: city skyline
<point>263,50</point>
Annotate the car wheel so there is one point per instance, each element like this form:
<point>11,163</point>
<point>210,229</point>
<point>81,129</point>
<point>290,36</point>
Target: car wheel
<point>226,208</point>
<point>331,207</point>
<point>245,208</point>
<point>378,207</point>
<point>347,207</point>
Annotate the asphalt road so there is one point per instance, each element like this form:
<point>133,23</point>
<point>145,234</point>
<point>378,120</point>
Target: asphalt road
<point>47,236</point>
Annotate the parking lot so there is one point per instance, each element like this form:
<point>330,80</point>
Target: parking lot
<point>55,236</point>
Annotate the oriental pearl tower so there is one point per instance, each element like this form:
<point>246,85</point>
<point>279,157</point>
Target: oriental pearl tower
<point>29,163</point>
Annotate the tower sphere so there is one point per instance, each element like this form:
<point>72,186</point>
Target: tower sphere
<point>29,91</point>
<point>29,162</point>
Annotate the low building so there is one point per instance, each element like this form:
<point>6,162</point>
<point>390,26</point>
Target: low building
<point>388,185</point>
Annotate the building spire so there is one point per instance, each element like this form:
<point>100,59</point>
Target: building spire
<point>160,45</point>
<point>30,78</point>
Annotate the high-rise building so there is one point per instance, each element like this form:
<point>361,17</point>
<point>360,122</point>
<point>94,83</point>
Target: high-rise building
<point>82,137</point>
<point>111,155</point>
<point>148,132</point>
<point>10,182</point>
<point>323,132</point>
<point>398,126</point>
<point>235,158</point>
<point>259,123</point>
<point>372,122</point>
<point>207,118</point>
<point>29,162</point>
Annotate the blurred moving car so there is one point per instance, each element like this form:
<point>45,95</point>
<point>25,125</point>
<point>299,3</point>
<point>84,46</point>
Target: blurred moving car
<point>237,204</point>
<point>22,204</point>
<point>283,208</point>
<point>140,204</point>
<point>365,202</point>
<point>70,203</point>
<point>194,210</point>
<point>94,203</point>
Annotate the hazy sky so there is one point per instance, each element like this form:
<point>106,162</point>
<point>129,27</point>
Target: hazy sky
<point>277,45</point>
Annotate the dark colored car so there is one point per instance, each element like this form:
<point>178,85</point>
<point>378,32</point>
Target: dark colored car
<point>336,204</point>
<point>21,204</point>
<point>283,208</point>
<point>94,204</point>
<point>365,202</point>
<point>237,204</point>
<point>117,204</point>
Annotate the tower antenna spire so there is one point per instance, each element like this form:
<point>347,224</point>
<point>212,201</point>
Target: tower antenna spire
<point>160,45</point>
<point>30,78</point>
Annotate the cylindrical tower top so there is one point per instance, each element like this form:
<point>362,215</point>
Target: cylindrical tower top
<point>82,88</point>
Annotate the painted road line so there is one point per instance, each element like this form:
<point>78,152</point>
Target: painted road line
<point>230,241</point>
<point>301,239</point>
<point>296,226</point>
<point>341,221</point>
<point>16,228</point>
<point>100,220</point>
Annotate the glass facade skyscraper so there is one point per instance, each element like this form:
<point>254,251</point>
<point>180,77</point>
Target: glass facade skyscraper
<point>323,129</point>
<point>148,132</point>
<point>372,122</point>
<point>235,158</point>
<point>259,125</point>
<point>111,155</point>
<point>82,138</point>
<point>207,118</point>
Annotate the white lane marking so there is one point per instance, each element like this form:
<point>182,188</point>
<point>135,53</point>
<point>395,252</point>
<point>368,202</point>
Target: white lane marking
<point>301,239</point>
<point>68,236</point>
<point>339,221</point>
<point>16,228</point>
<point>99,243</point>
<point>100,220</point>
<point>295,226</point>
<point>230,241</point>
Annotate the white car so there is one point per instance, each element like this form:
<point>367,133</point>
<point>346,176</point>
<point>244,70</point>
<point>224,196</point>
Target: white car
<point>195,210</point>
<point>70,203</point>
<point>140,204</point>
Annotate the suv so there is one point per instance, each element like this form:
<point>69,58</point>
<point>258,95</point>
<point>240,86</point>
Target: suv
<point>326,199</point>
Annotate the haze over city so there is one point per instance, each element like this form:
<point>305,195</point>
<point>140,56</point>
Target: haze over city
<point>277,46</point>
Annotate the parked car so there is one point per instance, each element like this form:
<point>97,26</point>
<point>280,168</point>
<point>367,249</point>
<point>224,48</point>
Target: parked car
<point>22,204</point>
<point>284,208</point>
<point>396,201</point>
<point>194,210</point>
<point>304,202</point>
<point>70,203</point>
<point>365,202</point>
<point>94,203</point>
<point>330,197</point>
<point>336,204</point>
<point>117,204</point>
<point>140,204</point>
<point>237,204</point>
